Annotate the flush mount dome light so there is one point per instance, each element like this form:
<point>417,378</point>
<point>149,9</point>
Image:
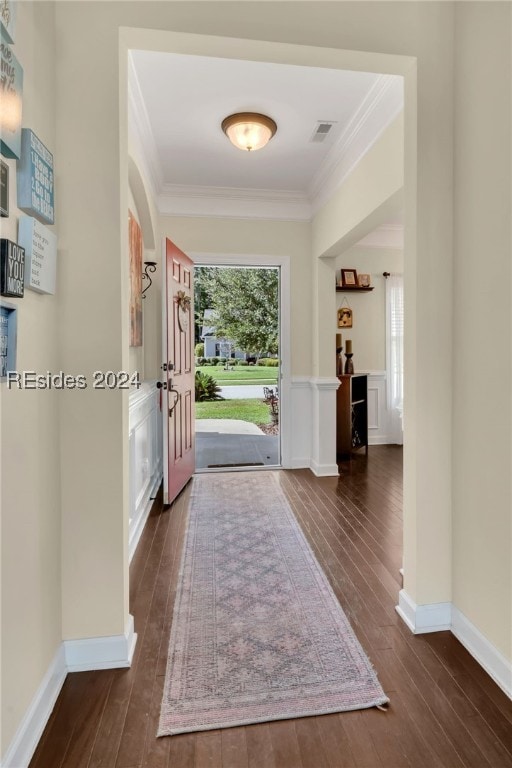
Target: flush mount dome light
<point>249,130</point>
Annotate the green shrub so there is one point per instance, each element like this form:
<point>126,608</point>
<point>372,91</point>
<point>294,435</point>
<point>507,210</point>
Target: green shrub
<point>199,349</point>
<point>269,362</point>
<point>206,388</point>
<point>243,362</point>
<point>202,361</point>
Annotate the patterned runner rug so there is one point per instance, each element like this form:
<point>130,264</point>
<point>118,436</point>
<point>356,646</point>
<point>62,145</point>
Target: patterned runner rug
<point>257,632</point>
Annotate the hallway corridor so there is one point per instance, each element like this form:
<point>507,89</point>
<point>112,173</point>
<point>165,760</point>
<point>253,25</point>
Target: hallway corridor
<point>444,711</point>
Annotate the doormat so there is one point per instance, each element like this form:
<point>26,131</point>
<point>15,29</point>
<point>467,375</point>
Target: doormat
<point>257,632</point>
<point>240,464</point>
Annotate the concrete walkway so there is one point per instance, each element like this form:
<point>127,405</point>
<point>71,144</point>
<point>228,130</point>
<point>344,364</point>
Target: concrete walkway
<point>234,443</point>
<point>239,392</point>
<point>227,427</point>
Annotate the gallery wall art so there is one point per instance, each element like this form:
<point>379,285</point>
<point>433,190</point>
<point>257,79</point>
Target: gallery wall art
<point>11,97</point>
<point>35,178</point>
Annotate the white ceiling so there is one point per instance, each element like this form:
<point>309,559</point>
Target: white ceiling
<point>177,104</point>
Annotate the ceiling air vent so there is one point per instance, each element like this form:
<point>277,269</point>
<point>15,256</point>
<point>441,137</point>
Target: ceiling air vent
<point>321,131</point>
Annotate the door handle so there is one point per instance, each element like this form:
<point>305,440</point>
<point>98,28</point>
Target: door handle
<point>176,398</point>
<point>161,384</point>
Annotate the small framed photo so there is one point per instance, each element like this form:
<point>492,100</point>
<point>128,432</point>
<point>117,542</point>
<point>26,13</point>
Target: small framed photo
<point>363,281</point>
<point>348,277</point>
<point>345,317</point>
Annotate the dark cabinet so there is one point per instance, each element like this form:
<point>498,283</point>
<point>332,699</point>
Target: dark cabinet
<point>351,414</point>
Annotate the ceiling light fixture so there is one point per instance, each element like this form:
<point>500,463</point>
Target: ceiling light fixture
<point>249,130</point>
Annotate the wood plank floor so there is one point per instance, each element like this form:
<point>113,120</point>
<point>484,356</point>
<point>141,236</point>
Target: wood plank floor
<point>445,711</point>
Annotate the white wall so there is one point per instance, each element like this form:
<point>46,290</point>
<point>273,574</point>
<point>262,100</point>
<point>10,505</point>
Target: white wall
<point>368,333</point>
<point>30,460</point>
<point>482,500</point>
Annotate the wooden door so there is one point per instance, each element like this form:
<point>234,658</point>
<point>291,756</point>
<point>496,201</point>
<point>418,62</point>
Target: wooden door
<point>179,392</point>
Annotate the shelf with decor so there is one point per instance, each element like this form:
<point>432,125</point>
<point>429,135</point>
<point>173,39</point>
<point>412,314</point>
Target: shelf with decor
<point>349,280</point>
<point>361,288</point>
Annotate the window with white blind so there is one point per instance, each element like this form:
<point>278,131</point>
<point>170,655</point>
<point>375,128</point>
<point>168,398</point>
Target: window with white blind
<point>395,348</point>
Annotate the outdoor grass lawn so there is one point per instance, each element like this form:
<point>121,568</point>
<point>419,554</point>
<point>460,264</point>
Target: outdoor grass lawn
<point>246,410</point>
<point>241,374</point>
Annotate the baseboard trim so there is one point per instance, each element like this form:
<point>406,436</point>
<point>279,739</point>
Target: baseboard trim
<point>30,730</point>
<point>380,439</point>
<point>434,617</point>
<point>110,652</point>
<point>492,660</point>
<point>324,470</point>
<point>136,532</point>
<point>438,617</point>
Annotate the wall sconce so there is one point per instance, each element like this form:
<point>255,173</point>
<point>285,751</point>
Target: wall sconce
<point>149,267</point>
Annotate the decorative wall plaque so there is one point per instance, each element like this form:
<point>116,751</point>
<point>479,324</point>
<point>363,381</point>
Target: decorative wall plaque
<point>8,326</point>
<point>11,98</point>
<point>35,178</point>
<point>12,269</point>
<point>8,19</point>
<point>4,189</point>
<point>40,245</point>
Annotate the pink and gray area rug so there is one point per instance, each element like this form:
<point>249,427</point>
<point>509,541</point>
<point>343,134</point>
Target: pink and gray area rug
<point>257,631</point>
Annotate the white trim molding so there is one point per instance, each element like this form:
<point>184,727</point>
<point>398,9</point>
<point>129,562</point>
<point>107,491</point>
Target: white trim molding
<point>382,104</point>
<point>434,617</point>
<point>146,457</point>
<point>233,203</point>
<point>71,656</point>
<point>492,660</point>
<point>112,652</point>
<point>323,458</point>
<point>30,730</point>
<point>300,429</point>
<point>437,617</point>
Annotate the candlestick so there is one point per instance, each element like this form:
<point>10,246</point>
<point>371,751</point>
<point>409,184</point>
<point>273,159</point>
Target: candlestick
<point>348,346</point>
<point>349,365</point>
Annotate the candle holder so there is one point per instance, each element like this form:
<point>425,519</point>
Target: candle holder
<point>339,361</point>
<point>349,365</point>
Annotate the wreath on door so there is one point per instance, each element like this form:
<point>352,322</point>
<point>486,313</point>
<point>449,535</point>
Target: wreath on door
<point>183,310</point>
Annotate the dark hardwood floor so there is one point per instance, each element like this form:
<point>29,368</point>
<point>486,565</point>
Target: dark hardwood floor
<point>445,710</point>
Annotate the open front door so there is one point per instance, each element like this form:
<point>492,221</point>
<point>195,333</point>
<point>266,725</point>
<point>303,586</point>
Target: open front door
<point>178,388</point>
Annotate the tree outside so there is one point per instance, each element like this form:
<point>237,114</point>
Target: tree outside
<point>246,306</point>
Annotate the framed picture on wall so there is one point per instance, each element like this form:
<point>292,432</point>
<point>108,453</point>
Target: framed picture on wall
<point>348,277</point>
<point>135,253</point>
<point>345,317</point>
<point>363,281</point>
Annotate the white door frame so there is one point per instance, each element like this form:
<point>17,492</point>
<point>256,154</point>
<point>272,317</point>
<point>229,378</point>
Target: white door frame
<point>259,260</point>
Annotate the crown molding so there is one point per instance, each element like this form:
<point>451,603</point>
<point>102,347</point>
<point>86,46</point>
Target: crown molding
<point>233,203</point>
<point>385,236</point>
<point>381,105</point>
<point>383,102</point>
